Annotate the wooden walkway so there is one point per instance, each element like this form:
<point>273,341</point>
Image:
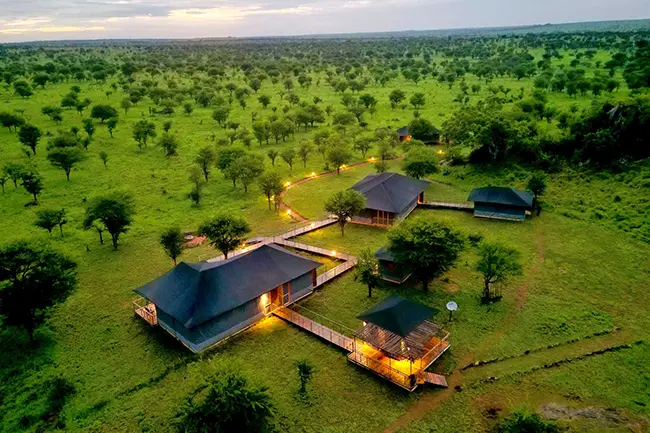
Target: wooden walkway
<point>327,334</point>
<point>348,261</point>
<point>447,205</point>
<point>258,241</point>
<point>435,379</point>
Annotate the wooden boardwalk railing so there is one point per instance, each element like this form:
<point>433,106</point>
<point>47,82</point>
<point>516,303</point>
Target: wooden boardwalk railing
<point>328,334</point>
<point>447,205</point>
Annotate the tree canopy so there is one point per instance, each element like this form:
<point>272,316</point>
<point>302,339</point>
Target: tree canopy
<point>428,248</point>
<point>225,232</point>
<point>32,279</point>
<point>345,204</point>
<point>227,403</point>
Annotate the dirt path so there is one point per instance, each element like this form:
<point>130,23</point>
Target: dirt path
<point>426,404</point>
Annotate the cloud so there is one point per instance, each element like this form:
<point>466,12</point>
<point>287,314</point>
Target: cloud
<point>213,18</point>
<point>230,13</point>
<point>63,29</point>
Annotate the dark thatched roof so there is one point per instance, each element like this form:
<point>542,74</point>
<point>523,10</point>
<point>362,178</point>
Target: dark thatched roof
<point>384,253</point>
<point>193,293</point>
<point>390,192</point>
<point>502,195</point>
<point>403,131</point>
<point>401,328</point>
<point>398,315</point>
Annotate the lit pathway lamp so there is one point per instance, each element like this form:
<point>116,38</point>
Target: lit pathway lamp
<point>451,306</point>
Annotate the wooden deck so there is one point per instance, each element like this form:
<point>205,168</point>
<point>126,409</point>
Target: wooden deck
<point>327,334</point>
<point>146,311</point>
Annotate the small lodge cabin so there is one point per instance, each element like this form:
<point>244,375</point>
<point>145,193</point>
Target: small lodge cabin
<point>389,197</point>
<point>501,203</point>
<point>388,269</point>
<point>404,134</point>
<point>399,341</point>
<point>203,303</point>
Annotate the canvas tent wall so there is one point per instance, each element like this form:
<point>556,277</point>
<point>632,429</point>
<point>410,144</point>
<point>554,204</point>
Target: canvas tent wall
<point>203,303</point>
<point>389,196</point>
<point>501,203</point>
<point>389,269</point>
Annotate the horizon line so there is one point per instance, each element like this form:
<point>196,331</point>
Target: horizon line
<point>333,34</point>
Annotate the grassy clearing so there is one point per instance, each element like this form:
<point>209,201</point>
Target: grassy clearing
<point>581,276</point>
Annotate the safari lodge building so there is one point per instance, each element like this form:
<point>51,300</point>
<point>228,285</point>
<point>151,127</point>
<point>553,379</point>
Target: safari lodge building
<point>399,341</point>
<point>203,303</point>
<point>390,197</point>
<point>502,203</point>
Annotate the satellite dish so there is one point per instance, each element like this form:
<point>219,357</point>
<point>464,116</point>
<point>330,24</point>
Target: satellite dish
<point>452,306</point>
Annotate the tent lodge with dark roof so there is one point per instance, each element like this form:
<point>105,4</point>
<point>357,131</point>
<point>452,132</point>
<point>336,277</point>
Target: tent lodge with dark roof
<point>390,197</point>
<point>501,203</point>
<point>404,134</point>
<point>399,341</point>
<point>389,270</point>
<point>201,304</point>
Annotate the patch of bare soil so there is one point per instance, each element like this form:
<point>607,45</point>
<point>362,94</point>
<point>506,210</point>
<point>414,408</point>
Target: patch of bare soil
<point>605,417</point>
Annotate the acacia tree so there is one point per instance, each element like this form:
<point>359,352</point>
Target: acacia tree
<point>227,403</point>
<point>249,167</point>
<point>338,155</point>
<point>142,131</point>
<point>205,159</point>
<point>172,242</point>
<point>32,279</point>
<point>14,171</point>
<point>103,156</point>
<point>66,158</point>
<point>103,112</point>
<point>115,213</point>
<point>169,144</point>
<point>225,232</point>
<point>288,155</point>
<point>362,145</point>
<point>29,135</point>
<point>272,154</point>
<point>32,182</point>
<point>496,263</point>
<point>367,269</point>
<point>537,185</point>
<point>111,124</point>
<point>428,248</point>
<point>48,219</point>
<point>344,205</point>
<point>304,151</point>
<point>271,185</point>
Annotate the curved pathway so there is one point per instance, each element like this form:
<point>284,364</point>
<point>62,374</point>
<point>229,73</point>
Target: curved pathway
<point>295,214</point>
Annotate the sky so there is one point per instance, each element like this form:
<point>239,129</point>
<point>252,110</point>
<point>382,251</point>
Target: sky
<point>28,20</point>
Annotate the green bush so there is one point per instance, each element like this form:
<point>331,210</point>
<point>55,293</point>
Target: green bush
<point>522,422</point>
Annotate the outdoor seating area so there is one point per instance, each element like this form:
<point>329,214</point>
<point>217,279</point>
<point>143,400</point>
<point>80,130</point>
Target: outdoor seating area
<point>399,341</point>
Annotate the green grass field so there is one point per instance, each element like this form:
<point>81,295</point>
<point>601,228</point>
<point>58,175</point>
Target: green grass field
<point>584,273</point>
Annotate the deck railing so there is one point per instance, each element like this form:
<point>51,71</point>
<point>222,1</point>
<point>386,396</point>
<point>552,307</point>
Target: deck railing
<point>146,310</point>
<point>307,228</point>
<point>433,354</point>
<point>404,380</point>
<point>447,205</point>
<point>333,333</point>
